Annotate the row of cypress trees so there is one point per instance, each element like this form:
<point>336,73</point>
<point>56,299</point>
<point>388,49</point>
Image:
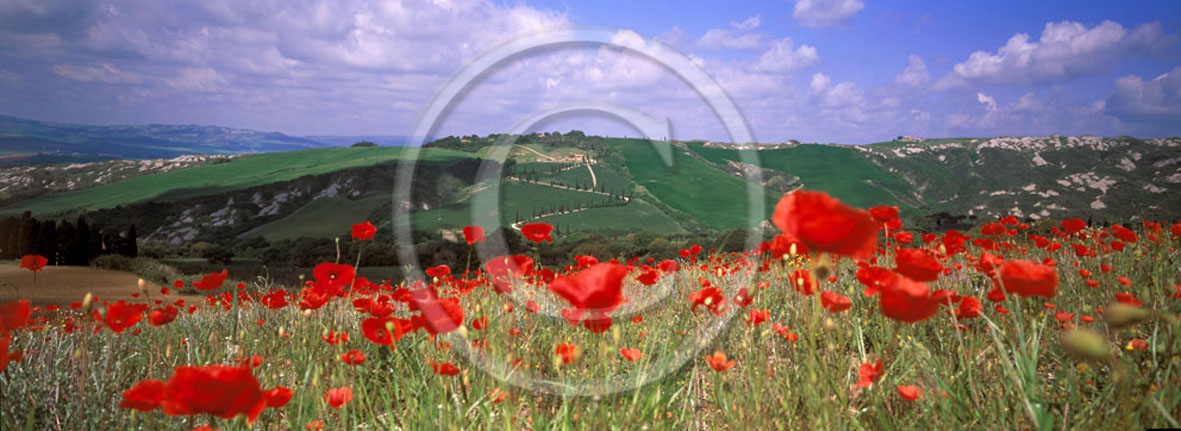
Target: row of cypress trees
<point>63,242</point>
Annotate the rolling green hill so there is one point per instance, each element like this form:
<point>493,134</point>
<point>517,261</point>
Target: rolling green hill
<point>692,187</point>
<point>838,170</point>
<point>238,173</point>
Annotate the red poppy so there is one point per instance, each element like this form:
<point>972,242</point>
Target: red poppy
<point>445,369</point>
<point>743,298</point>
<point>439,315</point>
<point>669,265</point>
<point>363,231</point>
<point>825,224</point>
<point>784,244</point>
<point>904,238</point>
<point>1124,234</point>
<point>7,356</point>
<point>277,397</point>
<point>917,264</point>
<point>211,281</point>
<point>1026,278</point>
<point>802,280</point>
<point>473,234</point>
<point>1073,225</point>
<point>869,373</point>
<point>596,290</point>
<point>909,392</point>
<point>14,315</point>
<point>438,271</point>
<point>969,308</point>
<point>122,315</point>
<point>834,302</point>
<point>219,390</point>
<point>1175,230</point>
<point>353,357</point>
<point>711,297</point>
<point>718,361</point>
<point>162,316</point>
<point>909,301</point>
<point>145,396</point>
<point>537,232</point>
<point>503,270</point>
<point>338,397</point>
<point>1127,298</point>
<point>757,316</point>
<point>567,352</point>
<point>649,278</point>
<point>33,262</point>
<point>884,213</point>
<point>384,331</point>
<point>334,338</point>
<point>630,354</point>
<point>333,276</point>
<point>873,278</point>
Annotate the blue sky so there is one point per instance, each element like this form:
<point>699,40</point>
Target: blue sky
<point>848,71</point>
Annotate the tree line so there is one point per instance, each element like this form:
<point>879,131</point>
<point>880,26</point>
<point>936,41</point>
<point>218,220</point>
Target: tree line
<point>63,242</point>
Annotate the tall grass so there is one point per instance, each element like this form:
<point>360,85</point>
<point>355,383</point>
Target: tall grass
<point>1000,371</point>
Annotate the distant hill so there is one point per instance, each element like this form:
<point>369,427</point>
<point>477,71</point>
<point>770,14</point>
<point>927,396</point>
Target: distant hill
<point>25,142</point>
<point>344,141</point>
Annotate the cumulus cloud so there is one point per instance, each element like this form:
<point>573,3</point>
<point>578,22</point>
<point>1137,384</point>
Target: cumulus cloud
<point>784,57</point>
<point>1154,100</point>
<point>740,35</point>
<point>825,13</point>
<point>1065,50</point>
<point>915,74</point>
<point>986,100</point>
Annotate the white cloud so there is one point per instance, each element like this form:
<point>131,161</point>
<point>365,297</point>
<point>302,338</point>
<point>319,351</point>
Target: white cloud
<point>825,13</point>
<point>1064,50</point>
<point>986,100</point>
<point>1157,99</point>
<point>103,73</point>
<point>915,74</point>
<point>738,36</point>
<point>828,95</point>
<point>784,57</point>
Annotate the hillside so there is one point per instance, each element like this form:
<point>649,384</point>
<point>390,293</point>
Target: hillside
<point>1050,177</point>
<point>595,184</point>
<point>25,142</point>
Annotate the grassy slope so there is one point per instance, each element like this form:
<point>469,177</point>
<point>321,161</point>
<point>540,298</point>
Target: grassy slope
<point>637,215</point>
<point>523,198</point>
<point>838,171</point>
<point>606,177</point>
<point>709,195</point>
<point>318,219</point>
<point>239,173</point>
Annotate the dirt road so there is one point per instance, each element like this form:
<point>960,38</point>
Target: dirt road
<point>62,285</point>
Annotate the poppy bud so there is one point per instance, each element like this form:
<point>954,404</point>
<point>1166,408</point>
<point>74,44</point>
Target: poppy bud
<point>1085,344</point>
<point>307,313</point>
<point>615,333</point>
<point>1120,315</point>
<point>820,267</point>
<point>143,286</point>
<point>87,301</point>
<point>462,331</point>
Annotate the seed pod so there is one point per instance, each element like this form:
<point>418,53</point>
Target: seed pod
<point>1121,315</point>
<point>1086,344</point>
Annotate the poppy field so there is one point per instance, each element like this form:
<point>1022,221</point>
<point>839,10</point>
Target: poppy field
<point>844,319</point>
